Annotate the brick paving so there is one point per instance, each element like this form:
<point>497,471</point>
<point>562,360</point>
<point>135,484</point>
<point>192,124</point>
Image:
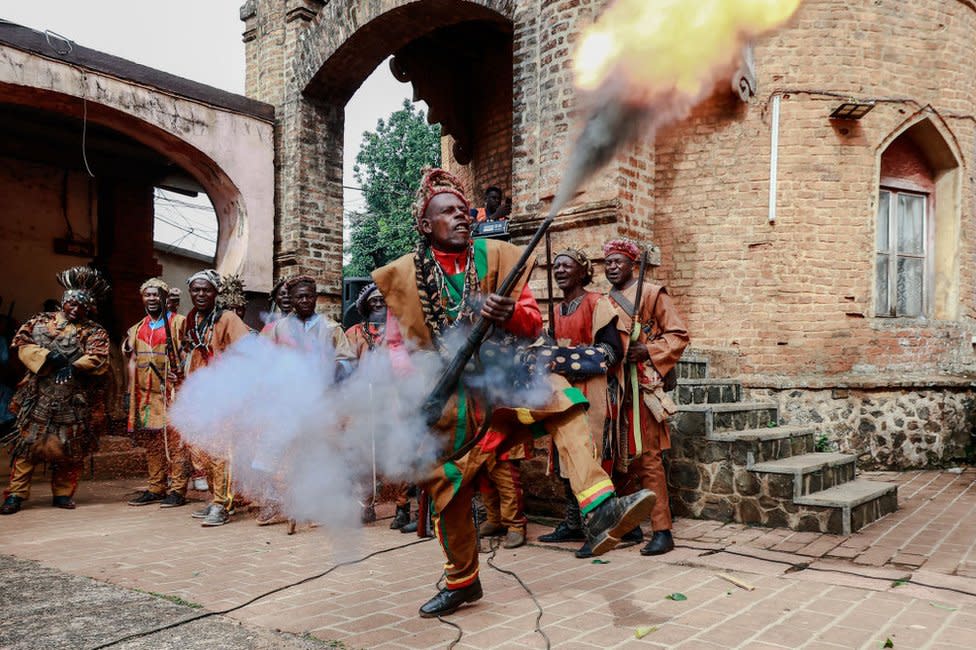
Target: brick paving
<point>373,604</point>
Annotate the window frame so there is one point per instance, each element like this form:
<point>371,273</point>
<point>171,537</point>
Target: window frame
<point>895,187</point>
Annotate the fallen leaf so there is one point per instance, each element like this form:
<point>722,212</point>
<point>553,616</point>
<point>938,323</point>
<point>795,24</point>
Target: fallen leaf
<point>676,596</point>
<point>899,583</point>
<point>641,632</point>
<point>945,607</point>
<point>599,561</point>
<point>888,644</point>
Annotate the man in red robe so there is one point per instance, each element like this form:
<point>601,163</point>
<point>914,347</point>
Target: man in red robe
<point>661,339</point>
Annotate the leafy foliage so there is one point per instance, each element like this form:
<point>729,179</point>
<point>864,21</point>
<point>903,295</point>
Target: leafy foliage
<point>388,169</point>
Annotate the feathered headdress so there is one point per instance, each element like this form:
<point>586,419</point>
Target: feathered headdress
<point>231,293</point>
<point>83,284</point>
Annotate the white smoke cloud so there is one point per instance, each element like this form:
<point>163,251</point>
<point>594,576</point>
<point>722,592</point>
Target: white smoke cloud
<point>291,433</point>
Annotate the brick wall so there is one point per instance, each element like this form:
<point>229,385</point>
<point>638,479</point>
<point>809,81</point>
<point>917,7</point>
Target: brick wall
<point>791,298</point>
<point>796,297</point>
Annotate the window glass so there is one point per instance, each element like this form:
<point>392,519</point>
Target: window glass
<point>909,287</point>
<point>911,224</point>
<point>884,202</point>
<point>881,275</point>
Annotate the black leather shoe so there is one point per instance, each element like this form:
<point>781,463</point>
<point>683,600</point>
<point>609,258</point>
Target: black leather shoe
<point>661,543</point>
<point>65,502</point>
<point>401,518</point>
<point>635,536</point>
<point>173,500</point>
<point>563,533</point>
<point>146,498</point>
<point>616,517</point>
<point>447,601</point>
<point>11,505</point>
<point>584,551</point>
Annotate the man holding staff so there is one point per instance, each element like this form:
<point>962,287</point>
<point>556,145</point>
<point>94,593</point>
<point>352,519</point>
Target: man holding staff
<point>151,346</point>
<point>661,338</point>
<point>428,293</point>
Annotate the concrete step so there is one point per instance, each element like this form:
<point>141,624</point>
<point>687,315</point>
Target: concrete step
<point>749,446</point>
<point>804,474</point>
<point>109,465</point>
<point>690,367</point>
<point>858,502</point>
<point>709,419</point>
<point>708,391</point>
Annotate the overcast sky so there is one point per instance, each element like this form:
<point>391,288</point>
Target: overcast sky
<point>199,40</point>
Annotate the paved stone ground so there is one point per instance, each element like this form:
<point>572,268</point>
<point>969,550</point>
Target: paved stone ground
<point>374,603</point>
<point>46,608</point>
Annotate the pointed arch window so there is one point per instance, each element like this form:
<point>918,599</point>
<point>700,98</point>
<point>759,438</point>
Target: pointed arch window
<point>916,254</point>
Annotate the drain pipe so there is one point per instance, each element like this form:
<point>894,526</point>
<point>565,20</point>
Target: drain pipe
<point>773,158</point>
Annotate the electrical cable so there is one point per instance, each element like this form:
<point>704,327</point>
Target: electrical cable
<point>538,619</point>
<point>805,566</point>
<point>170,626</point>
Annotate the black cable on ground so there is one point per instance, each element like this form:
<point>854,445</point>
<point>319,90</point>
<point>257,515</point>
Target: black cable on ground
<point>805,566</point>
<point>170,626</point>
<point>437,587</point>
<point>538,619</point>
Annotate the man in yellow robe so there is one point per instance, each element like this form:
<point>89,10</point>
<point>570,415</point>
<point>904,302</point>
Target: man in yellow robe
<point>152,348</point>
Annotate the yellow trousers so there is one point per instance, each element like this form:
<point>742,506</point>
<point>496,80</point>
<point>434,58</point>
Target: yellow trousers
<point>176,469</point>
<point>64,477</point>
<point>218,477</point>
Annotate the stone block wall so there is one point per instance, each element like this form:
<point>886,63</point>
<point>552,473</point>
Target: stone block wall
<point>886,428</point>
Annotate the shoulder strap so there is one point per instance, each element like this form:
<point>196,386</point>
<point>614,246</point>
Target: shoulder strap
<point>622,300</point>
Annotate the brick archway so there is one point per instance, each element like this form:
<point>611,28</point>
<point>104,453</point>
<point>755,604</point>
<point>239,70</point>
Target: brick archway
<point>351,38</point>
<point>341,46</point>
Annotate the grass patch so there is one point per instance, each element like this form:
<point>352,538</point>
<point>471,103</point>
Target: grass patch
<point>326,643</point>
<point>173,599</point>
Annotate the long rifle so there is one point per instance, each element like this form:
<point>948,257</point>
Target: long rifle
<point>438,396</point>
<point>634,336</point>
<point>552,306</point>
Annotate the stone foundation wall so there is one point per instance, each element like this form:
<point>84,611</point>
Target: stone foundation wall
<point>885,428</point>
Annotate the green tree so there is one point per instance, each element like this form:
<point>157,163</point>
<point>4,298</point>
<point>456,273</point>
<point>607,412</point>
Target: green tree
<point>388,170</point>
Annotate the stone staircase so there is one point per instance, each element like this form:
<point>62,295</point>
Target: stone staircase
<point>732,460</point>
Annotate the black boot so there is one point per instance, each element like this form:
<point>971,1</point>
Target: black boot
<point>569,529</point>
<point>563,533</point>
<point>447,601</point>
<point>615,517</point>
<point>401,518</point>
<point>584,551</point>
<point>661,542</point>
<point>635,536</point>
<point>368,515</point>
<point>11,505</point>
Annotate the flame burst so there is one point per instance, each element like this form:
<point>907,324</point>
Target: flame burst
<point>645,63</point>
<point>662,47</point>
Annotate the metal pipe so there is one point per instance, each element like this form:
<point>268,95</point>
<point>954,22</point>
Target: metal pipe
<point>773,159</point>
